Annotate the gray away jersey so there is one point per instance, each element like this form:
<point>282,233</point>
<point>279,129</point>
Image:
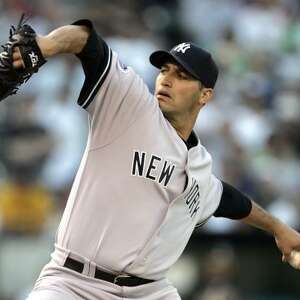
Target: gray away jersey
<point>128,210</point>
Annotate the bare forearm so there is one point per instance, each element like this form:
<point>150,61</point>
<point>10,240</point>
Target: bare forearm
<point>287,239</point>
<point>65,39</point>
<point>259,218</point>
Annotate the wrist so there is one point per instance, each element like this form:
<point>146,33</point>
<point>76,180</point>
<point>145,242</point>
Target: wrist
<point>46,46</point>
<point>277,227</point>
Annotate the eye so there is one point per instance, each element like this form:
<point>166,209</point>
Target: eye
<point>182,75</point>
<point>163,69</point>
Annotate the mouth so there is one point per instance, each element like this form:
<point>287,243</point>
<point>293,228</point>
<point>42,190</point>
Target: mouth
<point>163,95</point>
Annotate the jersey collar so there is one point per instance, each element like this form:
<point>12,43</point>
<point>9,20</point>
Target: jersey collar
<point>192,141</point>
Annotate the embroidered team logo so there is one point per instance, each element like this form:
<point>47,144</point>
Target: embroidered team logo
<point>182,47</point>
<point>34,59</point>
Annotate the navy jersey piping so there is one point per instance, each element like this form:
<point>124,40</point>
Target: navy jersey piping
<point>99,83</point>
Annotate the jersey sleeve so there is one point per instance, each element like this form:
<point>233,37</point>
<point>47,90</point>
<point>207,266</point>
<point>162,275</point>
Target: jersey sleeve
<point>211,199</point>
<point>95,58</point>
<point>112,93</point>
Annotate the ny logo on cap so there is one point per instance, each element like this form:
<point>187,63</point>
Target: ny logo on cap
<point>182,47</point>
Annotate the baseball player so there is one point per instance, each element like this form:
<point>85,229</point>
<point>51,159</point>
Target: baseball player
<point>145,181</point>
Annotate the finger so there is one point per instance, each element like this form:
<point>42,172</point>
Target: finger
<point>286,257</point>
<point>16,55</point>
<point>16,49</point>
<point>18,64</point>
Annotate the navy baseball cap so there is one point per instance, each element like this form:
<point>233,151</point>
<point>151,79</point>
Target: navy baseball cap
<point>195,60</point>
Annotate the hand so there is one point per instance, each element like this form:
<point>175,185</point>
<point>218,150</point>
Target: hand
<point>20,58</point>
<point>42,43</point>
<point>287,240</point>
<point>17,59</point>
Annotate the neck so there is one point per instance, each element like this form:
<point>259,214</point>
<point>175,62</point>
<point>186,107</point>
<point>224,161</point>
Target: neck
<point>183,126</point>
<point>184,134</point>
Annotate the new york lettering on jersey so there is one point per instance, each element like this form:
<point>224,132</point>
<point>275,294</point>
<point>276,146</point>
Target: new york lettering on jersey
<point>192,198</point>
<point>157,168</point>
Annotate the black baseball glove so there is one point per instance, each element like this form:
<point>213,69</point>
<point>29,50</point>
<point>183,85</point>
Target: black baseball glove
<point>23,37</point>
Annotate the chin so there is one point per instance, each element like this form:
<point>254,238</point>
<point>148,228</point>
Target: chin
<point>167,114</point>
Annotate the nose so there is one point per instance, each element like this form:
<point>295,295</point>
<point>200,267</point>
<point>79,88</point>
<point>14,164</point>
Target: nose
<point>166,80</point>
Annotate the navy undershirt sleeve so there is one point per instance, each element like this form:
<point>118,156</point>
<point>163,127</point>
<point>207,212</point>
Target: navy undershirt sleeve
<point>95,58</point>
<point>234,204</point>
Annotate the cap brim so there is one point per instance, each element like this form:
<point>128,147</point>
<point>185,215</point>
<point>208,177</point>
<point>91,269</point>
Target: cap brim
<point>158,58</point>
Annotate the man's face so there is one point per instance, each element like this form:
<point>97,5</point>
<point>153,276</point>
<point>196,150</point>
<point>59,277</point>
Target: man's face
<point>178,93</point>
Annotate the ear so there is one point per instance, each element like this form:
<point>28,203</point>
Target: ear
<point>206,95</point>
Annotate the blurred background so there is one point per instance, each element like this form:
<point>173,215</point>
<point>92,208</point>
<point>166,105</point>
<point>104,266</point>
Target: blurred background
<point>251,128</point>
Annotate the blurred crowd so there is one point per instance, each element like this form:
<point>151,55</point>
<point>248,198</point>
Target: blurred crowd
<point>251,128</point>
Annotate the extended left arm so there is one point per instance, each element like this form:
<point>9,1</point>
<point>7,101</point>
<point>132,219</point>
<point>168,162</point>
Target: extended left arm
<point>236,205</point>
<point>287,239</point>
